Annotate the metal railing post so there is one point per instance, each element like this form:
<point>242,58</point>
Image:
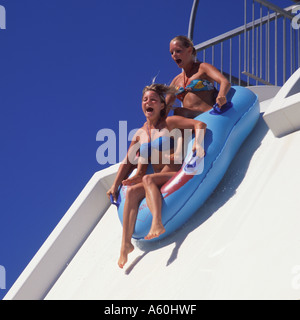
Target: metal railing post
<point>193,19</point>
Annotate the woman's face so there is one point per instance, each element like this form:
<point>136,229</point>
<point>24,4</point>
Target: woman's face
<point>180,54</point>
<point>152,105</point>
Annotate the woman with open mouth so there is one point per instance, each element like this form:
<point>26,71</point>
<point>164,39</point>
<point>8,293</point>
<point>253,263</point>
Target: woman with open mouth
<point>155,136</point>
<point>195,84</point>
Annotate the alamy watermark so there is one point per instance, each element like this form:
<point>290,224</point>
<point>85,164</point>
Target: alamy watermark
<point>2,17</point>
<point>296,19</point>
<point>2,278</point>
<point>173,149</point>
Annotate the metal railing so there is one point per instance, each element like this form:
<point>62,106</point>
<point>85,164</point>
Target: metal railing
<point>265,50</point>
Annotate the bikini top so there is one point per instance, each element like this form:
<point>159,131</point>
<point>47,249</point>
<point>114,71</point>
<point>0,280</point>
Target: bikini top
<point>163,143</point>
<point>195,85</point>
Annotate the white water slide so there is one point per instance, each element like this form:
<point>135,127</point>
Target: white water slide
<point>243,243</point>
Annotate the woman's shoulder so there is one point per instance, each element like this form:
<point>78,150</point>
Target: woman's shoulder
<point>140,132</point>
<point>203,71</point>
<point>199,67</point>
<point>176,80</point>
<point>205,67</point>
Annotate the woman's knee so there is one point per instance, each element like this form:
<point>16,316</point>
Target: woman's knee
<point>131,193</point>
<point>147,180</point>
<point>134,194</point>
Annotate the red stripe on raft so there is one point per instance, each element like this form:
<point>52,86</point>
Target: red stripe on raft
<point>175,183</point>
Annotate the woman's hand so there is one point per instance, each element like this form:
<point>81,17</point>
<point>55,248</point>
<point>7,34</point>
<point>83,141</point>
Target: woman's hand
<point>221,100</point>
<point>200,152</point>
<point>113,191</point>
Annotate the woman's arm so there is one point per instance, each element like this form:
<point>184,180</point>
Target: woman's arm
<point>126,167</point>
<point>217,76</point>
<point>124,170</point>
<point>171,98</point>
<point>184,123</point>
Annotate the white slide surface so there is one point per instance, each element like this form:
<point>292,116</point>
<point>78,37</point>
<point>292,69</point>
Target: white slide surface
<point>243,243</point>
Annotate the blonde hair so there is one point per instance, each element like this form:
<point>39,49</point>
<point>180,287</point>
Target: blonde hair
<point>186,42</point>
<point>162,90</point>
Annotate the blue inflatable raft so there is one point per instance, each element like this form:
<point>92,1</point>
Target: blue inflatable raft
<point>185,193</point>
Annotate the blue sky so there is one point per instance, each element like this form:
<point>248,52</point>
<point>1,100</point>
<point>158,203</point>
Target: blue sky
<point>69,68</point>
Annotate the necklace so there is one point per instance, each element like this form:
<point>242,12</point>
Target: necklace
<point>185,80</point>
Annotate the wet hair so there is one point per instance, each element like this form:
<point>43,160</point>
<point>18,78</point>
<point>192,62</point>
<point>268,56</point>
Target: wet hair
<point>186,42</point>
<point>162,90</point>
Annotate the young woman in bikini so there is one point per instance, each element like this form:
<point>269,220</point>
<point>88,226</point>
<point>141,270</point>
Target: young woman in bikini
<point>153,134</point>
<point>195,84</point>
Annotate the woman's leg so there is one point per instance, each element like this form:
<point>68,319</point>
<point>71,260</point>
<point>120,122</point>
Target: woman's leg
<point>134,196</point>
<point>152,184</point>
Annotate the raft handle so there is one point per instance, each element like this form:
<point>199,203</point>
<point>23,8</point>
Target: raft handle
<point>217,110</point>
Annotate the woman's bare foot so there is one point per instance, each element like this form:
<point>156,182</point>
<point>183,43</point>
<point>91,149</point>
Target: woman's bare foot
<point>124,254</point>
<point>133,180</point>
<point>155,231</point>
